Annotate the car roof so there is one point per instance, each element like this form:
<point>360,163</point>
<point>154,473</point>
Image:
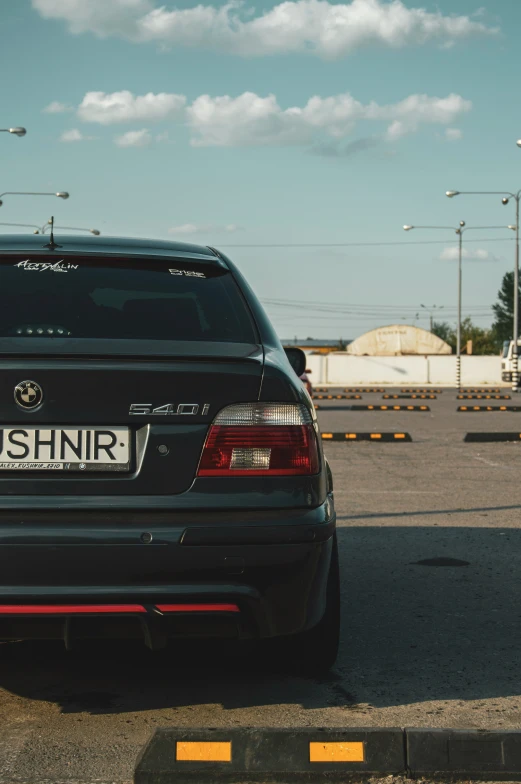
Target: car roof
<point>105,246</point>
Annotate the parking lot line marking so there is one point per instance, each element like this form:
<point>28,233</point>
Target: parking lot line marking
<point>494,465</point>
<point>203,751</point>
<point>337,752</point>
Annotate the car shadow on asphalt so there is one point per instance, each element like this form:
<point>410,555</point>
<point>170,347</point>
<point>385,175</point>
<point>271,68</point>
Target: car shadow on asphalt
<point>429,613</point>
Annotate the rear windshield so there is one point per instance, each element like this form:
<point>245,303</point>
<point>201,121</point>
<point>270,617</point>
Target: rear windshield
<point>121,299</point>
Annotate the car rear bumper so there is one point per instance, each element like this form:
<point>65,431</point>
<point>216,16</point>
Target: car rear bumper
<point>246,575</point>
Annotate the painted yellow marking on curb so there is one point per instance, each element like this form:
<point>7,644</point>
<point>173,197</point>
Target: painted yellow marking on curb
<point>351,435</point>
<point>399,435</point>
<point>376,435</point>
<point>336,752</point>
<point>202,751</point>
<point>327,435</point>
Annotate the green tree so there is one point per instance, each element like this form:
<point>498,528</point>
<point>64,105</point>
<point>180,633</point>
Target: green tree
<point>443,330</point>
<point>504,309</point>
<point>484,341</point>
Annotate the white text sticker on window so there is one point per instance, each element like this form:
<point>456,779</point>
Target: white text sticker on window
<point>46,266</point>
<point>188,273</point>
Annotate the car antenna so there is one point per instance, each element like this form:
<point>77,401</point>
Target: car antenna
<point>51,244</point>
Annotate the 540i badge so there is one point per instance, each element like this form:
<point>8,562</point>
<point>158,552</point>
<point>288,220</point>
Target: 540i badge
<point>169,409</point>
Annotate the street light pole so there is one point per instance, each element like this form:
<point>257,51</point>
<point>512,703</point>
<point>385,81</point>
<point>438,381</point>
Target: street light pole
<point>515,352</point>
<point>430,311</point>
<point>24,225</point>
<point>59,194</point>
<point>43,229</point>
<point>14,131</point>
<point>505,200</point>
<point>459,231</point>
<point>45,226</point>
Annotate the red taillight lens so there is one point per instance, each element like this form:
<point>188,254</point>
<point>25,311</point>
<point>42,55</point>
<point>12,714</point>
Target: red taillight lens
<point>260,451</point>
<point>261,439</point>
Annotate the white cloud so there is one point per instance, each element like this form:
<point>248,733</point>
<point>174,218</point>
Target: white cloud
<point>124,106</point>
<point>453,134</point>
<point>204,228</point>
<point>475,254</point>
<point>310,26</point>
<point>253,120</point>
<point>75,135</point>
<point>55,107</point>
<point>250,120</point>
<point>140,138</point>
<point>103,17</point>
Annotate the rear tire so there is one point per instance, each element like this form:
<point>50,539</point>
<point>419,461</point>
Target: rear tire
<point>315,651</point>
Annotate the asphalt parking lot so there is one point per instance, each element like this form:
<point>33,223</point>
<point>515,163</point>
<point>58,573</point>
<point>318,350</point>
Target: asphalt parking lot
<point>430,547</point>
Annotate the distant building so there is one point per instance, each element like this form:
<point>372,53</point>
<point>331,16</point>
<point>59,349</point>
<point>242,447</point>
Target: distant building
<point>317,346</point>
<point>398,340</point>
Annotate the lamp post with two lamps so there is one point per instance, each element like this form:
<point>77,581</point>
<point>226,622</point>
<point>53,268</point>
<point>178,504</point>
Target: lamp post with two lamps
<point>43,229</point>
<point>459,231</point>
<point>431,311</point>
<point>506,200</point>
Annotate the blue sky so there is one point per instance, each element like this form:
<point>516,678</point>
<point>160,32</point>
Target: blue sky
<point>172,121</point>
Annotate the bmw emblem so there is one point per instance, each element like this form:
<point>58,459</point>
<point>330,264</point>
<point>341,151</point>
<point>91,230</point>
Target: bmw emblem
<point>28,395</point>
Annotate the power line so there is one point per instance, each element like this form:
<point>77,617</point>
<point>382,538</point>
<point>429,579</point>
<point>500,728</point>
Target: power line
<point>368,319</point>
<point>361,244</point>
<point>359,309</point>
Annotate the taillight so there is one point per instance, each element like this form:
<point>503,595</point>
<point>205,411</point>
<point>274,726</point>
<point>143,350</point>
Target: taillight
<point>261,439</point>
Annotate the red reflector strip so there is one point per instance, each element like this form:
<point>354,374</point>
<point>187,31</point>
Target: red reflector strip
<point>198,608</point>
<point>68,609</point>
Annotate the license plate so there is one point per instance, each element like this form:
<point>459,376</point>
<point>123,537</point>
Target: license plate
<point>64,449</point>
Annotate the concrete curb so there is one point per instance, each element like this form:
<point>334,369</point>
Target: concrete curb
<point>491,437</point>
<point>481,409</point>
<point>270,756</point>
<point>386,438</point>
<point>180,755</point>
<point>458,754</point>
<point>373,408</point>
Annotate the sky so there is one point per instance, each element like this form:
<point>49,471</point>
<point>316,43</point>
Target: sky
<point>254,127</point>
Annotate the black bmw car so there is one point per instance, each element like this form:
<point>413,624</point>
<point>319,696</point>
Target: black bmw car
<point>161,470</point>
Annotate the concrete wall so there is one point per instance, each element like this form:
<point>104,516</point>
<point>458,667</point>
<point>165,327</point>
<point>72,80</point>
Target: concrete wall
<point>341,369</point>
